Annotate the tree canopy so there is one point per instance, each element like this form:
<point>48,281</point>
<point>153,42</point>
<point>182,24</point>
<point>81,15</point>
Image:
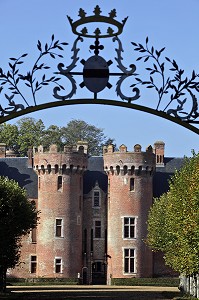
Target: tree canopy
<point>28,132</point>
<point>9,135</point>
<point>78,130</point>
<point>17,216</point>
<point>173,223</point>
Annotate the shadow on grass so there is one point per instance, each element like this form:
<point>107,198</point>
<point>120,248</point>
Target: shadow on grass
<point>91,295</point>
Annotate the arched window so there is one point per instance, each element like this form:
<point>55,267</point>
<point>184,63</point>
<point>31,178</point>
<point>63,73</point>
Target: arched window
<point>111,169</point>
<point>56,169</point>
<point>125,169</point>
<point>49,168</point>
<point>132,170</point>
<point>118,170</point>
<point>64,169</point>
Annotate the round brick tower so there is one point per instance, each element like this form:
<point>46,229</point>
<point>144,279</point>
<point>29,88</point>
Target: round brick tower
<point>130,192</point>
<point>60,196</point>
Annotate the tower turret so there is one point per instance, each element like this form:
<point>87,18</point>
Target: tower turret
<point>60,196</point>
<point>129,199</point>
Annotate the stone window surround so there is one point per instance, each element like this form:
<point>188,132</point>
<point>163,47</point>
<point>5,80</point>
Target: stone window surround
<point>58,265</point>
<point>98,227</point>
<point>59,227</point>
<point>129,257</point>
<point>129,225</point>
<point>93,198</point>
<point>33,264</point>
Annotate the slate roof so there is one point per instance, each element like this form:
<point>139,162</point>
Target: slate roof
<point>160,180</point>
<point>95,163</point>
<point>17,168</point>
<point>95,172</point>
<point>90,178</point>
<point>163,174</point>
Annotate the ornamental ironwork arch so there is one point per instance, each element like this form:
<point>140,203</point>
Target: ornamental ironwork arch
<point>176,93</point>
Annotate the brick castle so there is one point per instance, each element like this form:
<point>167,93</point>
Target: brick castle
<point>93,211</point>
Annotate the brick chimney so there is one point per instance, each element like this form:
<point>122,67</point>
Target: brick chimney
<point>159,152</point>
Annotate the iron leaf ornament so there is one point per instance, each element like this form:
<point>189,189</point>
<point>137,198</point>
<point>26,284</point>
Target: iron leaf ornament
<point>176,94</point>
<point>179,88</point>
<point>12,79</point>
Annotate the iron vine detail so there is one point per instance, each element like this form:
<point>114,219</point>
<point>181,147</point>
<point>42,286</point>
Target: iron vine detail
<point>176,93</point>
<point>177,86</point>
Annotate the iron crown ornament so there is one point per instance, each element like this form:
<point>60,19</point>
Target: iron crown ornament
<point>96,71</point>
<point>175,93</point>
<point>97,18</point>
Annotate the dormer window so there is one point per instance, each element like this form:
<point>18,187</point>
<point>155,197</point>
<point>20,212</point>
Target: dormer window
<point>96,196</point>
<point>96,199</point>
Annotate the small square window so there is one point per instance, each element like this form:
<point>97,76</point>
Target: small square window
<point>58,265</point>
<point>59,182</point>
<point>33,235</point>
<point>98,229</point>
<point>33,264</point>
<point>58,229</point>
<point>132,184</point>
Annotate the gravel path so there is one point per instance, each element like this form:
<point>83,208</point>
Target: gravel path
<point>94,292</point>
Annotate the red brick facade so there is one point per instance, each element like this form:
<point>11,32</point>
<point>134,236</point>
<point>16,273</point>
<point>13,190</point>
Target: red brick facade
<point>129,199</point>
<point>99,234</point>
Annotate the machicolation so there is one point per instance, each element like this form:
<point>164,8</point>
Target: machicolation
<point>123,162</point>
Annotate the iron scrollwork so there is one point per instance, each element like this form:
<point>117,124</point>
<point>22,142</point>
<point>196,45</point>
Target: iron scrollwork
<point>126,73</point>
<point>67,72</point>
<point>97,71</point>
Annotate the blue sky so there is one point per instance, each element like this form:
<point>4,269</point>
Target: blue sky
<point>172,24</point>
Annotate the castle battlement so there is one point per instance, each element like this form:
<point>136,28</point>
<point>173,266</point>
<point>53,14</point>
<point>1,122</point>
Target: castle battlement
<point>124,162</point>
<point>72,159</point>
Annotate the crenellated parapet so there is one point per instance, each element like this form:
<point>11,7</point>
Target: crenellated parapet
<point>73,159</point>
<point>123,162</point>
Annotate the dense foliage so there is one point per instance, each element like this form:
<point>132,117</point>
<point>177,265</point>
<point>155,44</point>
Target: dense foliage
<point>78,130</point>
<point>17,216</point>
<point>28,132</point>
<point>173,223</point>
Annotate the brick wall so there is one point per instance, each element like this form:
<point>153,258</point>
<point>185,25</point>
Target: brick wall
<point>123,202</point>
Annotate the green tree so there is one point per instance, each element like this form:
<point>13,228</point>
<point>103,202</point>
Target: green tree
<point>173,223</point>
<point>17,216</point>
<point>79,130</point>
<point>31,134</point>
<point>9,135</point>
<point>52,135</point>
